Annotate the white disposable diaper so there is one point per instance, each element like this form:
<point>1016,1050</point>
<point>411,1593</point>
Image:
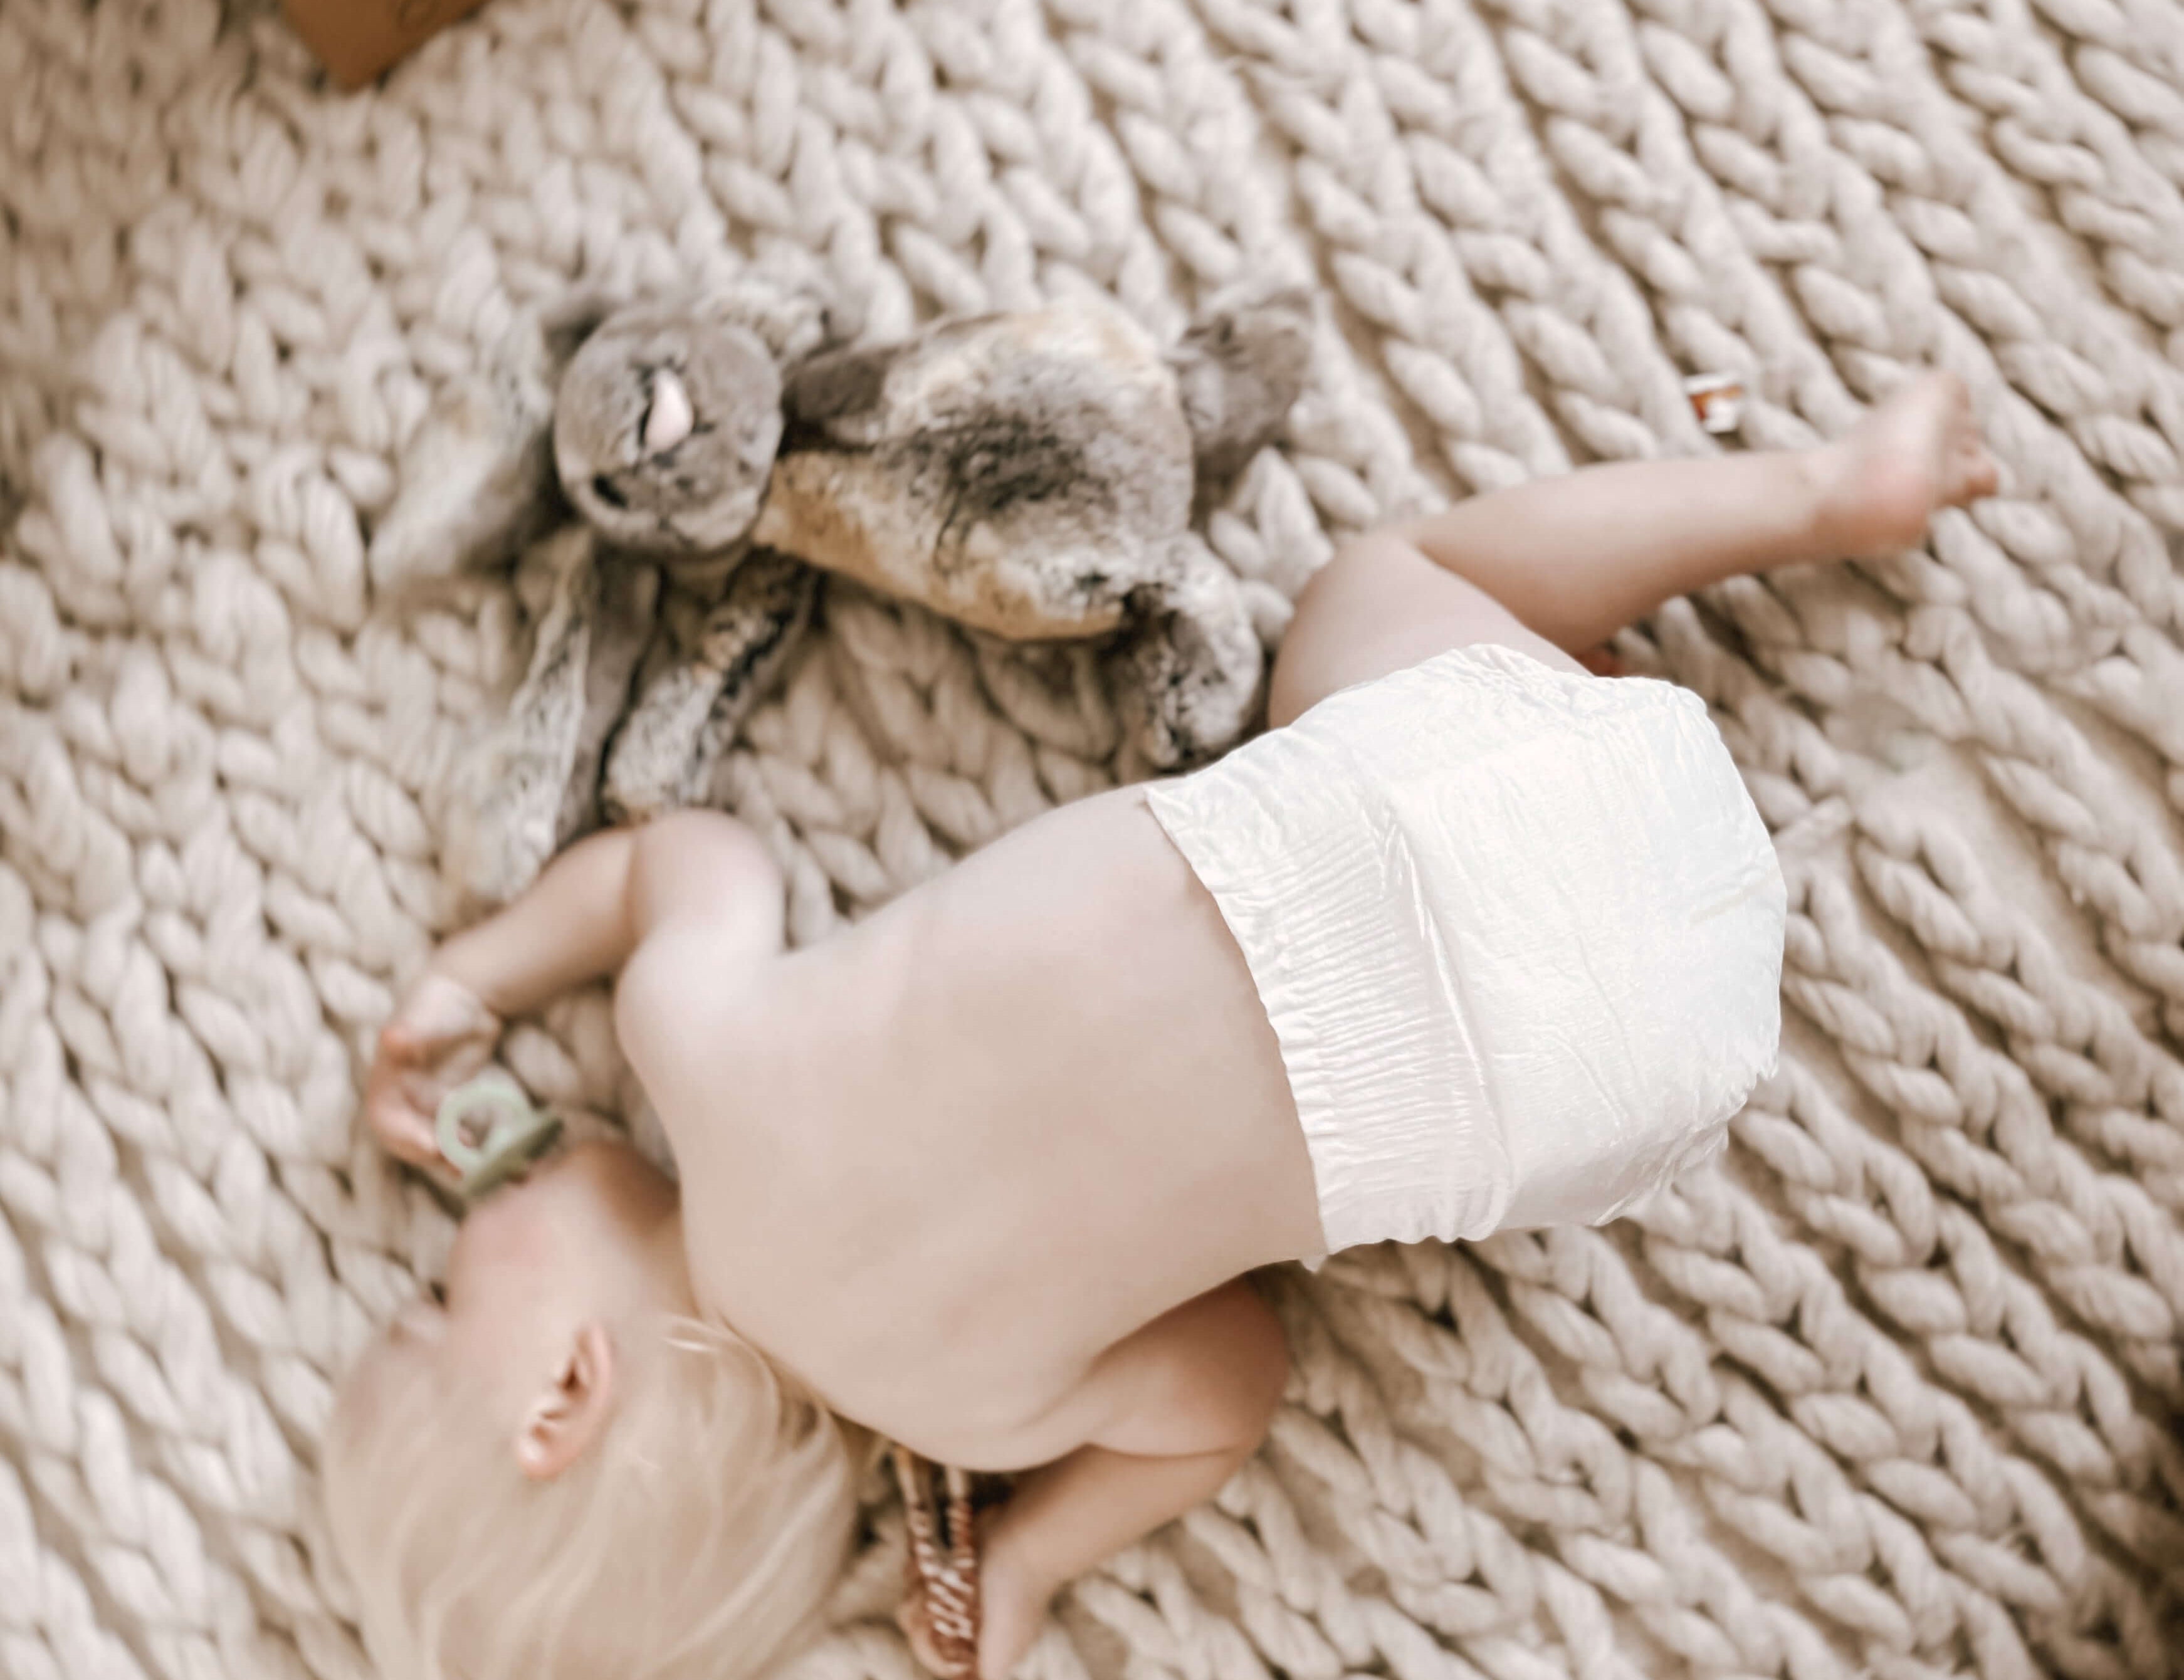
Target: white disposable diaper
<point>1518,932</point>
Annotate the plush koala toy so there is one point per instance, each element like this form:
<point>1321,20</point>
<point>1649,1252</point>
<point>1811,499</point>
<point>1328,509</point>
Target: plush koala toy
<point>1031,475</point>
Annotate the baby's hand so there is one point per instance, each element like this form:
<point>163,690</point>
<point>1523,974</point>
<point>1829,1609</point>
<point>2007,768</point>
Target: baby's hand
<point>440,1036</point>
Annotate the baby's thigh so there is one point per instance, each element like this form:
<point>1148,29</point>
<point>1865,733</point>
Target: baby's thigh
<point>1204,1378</point>
<point>1380,606</point>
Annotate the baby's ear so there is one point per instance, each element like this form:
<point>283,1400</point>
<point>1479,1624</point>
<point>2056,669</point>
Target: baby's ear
<point>571,1410</point>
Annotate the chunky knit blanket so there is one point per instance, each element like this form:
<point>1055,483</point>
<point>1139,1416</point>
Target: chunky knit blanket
<point>1892,1392</point>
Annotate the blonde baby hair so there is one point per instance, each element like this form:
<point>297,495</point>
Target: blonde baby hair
<point>697,1538</point>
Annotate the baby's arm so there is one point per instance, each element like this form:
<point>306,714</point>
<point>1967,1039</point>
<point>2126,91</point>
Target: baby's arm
<point>1169,1414</point>
<point>582,919</point>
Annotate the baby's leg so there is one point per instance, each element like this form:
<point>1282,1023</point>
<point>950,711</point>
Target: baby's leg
<point>1166,1417</point>
<point>1559,566</point>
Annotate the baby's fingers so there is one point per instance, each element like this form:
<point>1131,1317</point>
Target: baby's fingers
<point>403,1132</point>
<point>439,1037</point>
<point>403,1128</point>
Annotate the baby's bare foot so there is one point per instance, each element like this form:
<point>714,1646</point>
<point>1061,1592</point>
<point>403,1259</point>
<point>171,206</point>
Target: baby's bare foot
<point>1916,454</point>
<point>1012,1608</point>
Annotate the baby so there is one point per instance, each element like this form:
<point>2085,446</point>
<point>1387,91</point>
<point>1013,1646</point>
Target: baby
<point>1470,939</point>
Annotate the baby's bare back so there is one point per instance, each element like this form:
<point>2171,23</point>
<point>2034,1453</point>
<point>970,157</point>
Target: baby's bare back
<point>940,1165</point>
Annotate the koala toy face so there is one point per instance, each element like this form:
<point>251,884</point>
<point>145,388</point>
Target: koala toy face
<point>665,431</point>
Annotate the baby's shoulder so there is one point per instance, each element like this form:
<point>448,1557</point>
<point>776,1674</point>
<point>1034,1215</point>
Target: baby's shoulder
<point>683,1008</point>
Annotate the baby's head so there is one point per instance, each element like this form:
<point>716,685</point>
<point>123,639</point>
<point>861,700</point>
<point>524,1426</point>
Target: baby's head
<point>563,1472</point>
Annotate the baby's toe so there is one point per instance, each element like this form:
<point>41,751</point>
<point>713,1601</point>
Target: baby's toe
<point>1973,474</point>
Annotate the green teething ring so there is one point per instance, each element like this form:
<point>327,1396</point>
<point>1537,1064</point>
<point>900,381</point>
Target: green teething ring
<point>489,1132</point>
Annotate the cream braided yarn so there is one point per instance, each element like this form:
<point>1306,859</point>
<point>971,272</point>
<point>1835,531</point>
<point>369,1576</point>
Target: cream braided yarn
<point>1896,1393</point>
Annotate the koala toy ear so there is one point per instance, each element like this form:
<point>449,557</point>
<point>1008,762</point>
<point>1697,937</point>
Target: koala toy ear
<point>562,329</point>
<point>790,319</point>
<point>476,481</point>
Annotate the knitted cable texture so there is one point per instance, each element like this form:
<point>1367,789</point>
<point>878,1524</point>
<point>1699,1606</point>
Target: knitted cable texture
<point>1894,1392</point>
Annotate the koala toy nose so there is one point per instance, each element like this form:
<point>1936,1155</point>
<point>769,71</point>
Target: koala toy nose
<point>668,417</point>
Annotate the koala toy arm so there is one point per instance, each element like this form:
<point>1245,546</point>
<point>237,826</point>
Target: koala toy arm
<point>703,679</point>
<point>476,480</point>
